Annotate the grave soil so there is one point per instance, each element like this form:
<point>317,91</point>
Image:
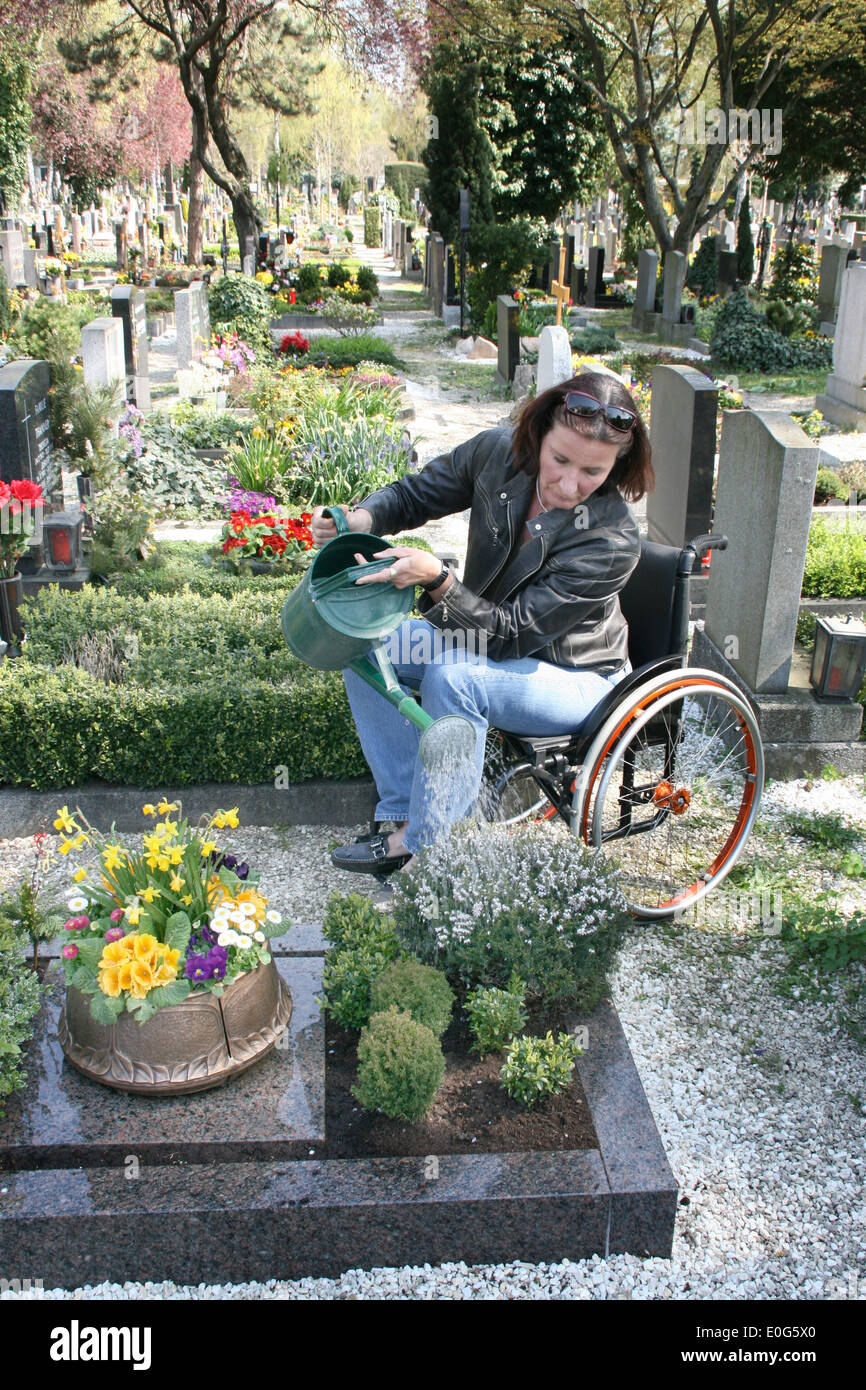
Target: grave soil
<point>471,1112</point>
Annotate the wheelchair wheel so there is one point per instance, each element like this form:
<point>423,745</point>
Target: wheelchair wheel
<point>671,787</point>
<point>519,799</point>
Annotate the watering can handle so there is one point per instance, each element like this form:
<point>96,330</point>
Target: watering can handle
<point>338,517</point>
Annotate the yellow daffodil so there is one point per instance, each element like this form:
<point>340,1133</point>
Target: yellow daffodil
<point>133,914</point>
<point>65,846</point>
<point>165,806</point>
<point>219,821</point>
<point>111,857</point>
<point>80,840</point>
<point>207,848</point>
<point>149,809</point>
<point>153,843</point>
<point>163,862</point>
<point>149,893</point>
<point>175,855</point>
<point>176,883</point>
<point>64,821</point>
<point>231,818</point>
<point>169,828</point>
<point>186,899</point>
<point>80,875</point>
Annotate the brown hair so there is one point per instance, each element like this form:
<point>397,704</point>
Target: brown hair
<point>632,474</point>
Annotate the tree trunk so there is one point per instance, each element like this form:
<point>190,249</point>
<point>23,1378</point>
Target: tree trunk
<point>194,226</point>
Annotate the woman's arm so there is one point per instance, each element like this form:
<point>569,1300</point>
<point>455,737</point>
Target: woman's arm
<point>443,486</point>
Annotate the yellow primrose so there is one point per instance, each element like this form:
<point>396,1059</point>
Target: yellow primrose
<point>111,857</point>
<point>64,821</point>
<point>149,809</point>
<point>176,883</point>
<point>109,981</point>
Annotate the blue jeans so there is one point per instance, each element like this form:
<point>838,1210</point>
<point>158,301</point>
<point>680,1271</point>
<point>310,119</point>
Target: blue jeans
<point>520,696</point>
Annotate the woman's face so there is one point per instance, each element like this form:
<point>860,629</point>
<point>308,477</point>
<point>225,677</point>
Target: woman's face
<point>572,465</point>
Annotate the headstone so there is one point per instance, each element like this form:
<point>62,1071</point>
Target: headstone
<point>569,253</point>
<point>128,305</point>
<point>190,329</point>
<point>554,358</point>
<point>610,244</point>
<point>204,314</point>
<point>766,482</point>
<point>12,258</point>
<point>647,278</point>
<point>31,277</point>
<point>727,272</point>
<point>595,277</point>
<point>508,337</point>
<point>450,276</point>
<point>844,399</point>
<point>102,354</point>
<point>25,426</point>
<point>76,233</point>
<point>120,245</point>
<point>728,234</point>
<point>675,276</point>
<point>249,265</point>
<point>578,284</point>
<point>437,273</point>
<point>683,438</point>
<point>833,261</point>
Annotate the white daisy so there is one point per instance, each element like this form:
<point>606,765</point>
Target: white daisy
<point>259,936</point>
<point>77,903</point>
<point>273,916</point>
<point>244,942</point>
<point>227,938</point>
<point>248,909</point>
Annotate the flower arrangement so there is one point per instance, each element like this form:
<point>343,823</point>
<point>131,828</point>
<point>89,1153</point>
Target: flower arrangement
<point>292,344</point>
<point>156,924</point>
<point>267,537</point>
<point>21,504</point>
<point>233,352</point>
<point>129,428</point>
<point>241,499</point>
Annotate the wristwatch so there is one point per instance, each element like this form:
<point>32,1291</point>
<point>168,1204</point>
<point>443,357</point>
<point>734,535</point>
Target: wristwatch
<point>440,579</point>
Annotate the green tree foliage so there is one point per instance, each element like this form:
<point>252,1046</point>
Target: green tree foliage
<point>638,233</point>
<point>459,153</point>
<point>14,119</point>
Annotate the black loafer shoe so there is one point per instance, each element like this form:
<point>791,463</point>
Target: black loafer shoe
<point>369,856</point>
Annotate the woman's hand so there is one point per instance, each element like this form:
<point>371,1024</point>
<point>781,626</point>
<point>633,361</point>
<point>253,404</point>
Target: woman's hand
<point>324,528</point>
<point>409,566</point>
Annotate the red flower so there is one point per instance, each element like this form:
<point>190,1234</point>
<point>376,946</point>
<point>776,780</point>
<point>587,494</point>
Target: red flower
<point>5,493</point>
<point>26,491</point>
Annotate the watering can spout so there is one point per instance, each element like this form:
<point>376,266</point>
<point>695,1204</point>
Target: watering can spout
<point>446,742</point>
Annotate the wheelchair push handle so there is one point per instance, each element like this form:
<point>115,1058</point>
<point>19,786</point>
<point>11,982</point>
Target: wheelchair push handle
<point>696,549</point>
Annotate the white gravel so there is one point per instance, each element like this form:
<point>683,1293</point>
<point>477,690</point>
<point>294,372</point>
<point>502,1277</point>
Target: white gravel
<point>760,1102</point>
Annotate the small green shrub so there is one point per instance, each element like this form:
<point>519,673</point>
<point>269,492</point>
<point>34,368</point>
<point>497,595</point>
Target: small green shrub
<point>702,275</point>
<point>367,279</point>
<point>496,1016</point>
<point>239,304</point>
<point>828,484</point>
<point>828,828</point>
<point>484,903</point>
<point>418,990</point>
<point>501,257</point>
<point>348,352</point>
<point>535,1068</point>
<point>349,919</point>
<point>400,1067</point>
<point>743,338</point>
<point>337,275</point>
<point>309,278</point>
<point>372,226</point>
<point>351,969</point>
<point>20,997</point>
<point>795,274</point>
<point>835,561</point>
<point>595,340</point>
<point>169,477</point>
<point>198,428</point>
<point>819,940</point>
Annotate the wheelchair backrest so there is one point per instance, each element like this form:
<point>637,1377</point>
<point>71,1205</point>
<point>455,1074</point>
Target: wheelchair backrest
<point>655,604</point>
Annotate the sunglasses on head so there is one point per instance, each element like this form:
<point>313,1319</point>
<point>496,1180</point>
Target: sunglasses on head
<point>587,407</point>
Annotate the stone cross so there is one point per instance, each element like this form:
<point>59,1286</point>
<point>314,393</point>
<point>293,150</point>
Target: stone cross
<point>559,289</point>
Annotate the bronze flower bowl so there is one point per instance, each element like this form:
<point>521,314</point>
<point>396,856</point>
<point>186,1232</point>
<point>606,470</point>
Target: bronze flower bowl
<point>182,1048</point>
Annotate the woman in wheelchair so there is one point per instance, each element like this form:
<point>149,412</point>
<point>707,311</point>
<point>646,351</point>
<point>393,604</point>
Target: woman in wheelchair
<point>532,639</point>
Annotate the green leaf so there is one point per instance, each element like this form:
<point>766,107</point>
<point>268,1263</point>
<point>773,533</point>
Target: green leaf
<point>90,951</point>
<point>173,993</point>
<point>105,1010</point>
<point>178,930</point>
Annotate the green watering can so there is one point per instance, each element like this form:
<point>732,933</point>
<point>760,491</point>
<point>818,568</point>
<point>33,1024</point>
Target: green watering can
<point>330,622</point>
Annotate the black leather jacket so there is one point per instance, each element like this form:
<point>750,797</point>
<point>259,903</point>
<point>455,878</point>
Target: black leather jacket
<point>555,597</point>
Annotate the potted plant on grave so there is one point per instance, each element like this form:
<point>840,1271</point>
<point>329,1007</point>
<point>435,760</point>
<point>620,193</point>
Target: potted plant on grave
<point>267,543</point>
<point>21,505</point>
<point>170,984</point>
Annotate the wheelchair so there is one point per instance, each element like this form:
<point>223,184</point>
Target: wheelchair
<point>667,772</point>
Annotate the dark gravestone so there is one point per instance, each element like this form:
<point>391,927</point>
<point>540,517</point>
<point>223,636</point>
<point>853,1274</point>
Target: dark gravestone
<point>12,257</point>
<point>49,241</point>
<point>128,305</point>
<point>578,284</point>
<point>25,428</point>
<point>595,277</point>
<point>264,243</point>
<point>569,258</point>
<point>727,272</point>
<point>508,335</point>
<point>451,295</point>
<point>683,438</point>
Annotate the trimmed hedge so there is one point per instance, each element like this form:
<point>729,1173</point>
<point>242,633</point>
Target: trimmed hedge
<point>372,226</point>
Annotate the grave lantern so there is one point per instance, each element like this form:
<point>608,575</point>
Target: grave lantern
<point>61,539</point>
<point>839,658</point>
